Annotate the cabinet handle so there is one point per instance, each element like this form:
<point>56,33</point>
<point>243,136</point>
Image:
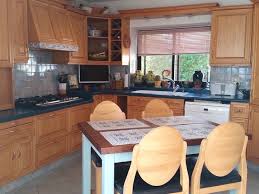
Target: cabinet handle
<point>13,156</point>
<point>11,131</point>
<point>51,115</point>
<point>206,109</point>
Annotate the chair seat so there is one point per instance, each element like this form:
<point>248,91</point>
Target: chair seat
<point>210,180</point>
<point>140,186</point>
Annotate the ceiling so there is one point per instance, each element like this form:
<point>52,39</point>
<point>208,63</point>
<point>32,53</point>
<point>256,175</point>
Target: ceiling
<point>138,4</point>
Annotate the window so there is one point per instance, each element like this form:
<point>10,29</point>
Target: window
<point>182,51</point>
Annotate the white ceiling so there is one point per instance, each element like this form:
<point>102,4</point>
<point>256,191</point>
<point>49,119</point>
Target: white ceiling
<point>137,4</point>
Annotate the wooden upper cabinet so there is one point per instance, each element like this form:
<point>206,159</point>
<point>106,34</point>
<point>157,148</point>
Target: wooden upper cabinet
<point>231,37</point>
<point>20,30</point>
<point>255,60</point>
<point>61,25</point>
<point>5,53</point>
<point>78,23</point>
<point>40,27</point>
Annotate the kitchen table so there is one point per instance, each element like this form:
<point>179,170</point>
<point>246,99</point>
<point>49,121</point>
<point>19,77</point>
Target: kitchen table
<point>116,145</point>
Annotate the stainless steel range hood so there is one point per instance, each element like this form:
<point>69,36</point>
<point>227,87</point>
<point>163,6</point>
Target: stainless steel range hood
<point>50,27</point>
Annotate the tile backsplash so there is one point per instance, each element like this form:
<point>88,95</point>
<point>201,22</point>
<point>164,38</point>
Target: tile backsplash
<point>233,74</point>
<point>39,76</point>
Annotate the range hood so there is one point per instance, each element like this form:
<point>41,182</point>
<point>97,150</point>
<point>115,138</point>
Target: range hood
<point>50,27</point>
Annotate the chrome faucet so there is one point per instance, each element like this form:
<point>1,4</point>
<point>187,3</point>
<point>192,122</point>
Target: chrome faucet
<point>172,82</point>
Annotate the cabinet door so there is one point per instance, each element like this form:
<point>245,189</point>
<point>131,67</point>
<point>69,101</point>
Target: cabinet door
<point>51,125</point>
<point>61,25</point>
<point>78,23</point>
<point>78,115</point>
<point>40,23</point>
<point>255,80</point>
<point>24,149</point>
<point>7,157</point>
<point>5,54</point>
<point>254,122</point>
<point>75,141</point>
<point>231,37</point>
<point>20,30</point>
<point>112,98</point>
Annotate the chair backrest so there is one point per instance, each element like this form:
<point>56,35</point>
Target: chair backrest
<point>107,110</point>
<point>157,108</point>
<point>224,148</point>
<point>159,155</point>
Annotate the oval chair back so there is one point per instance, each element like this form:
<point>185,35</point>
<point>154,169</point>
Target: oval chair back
<point>157,108</point>
<point>157,158</point>
<point>224,148</point>
<point>107,110</point>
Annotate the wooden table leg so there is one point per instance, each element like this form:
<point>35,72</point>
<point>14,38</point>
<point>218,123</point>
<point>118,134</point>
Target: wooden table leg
<point>108,174</point>
<point>86,165</point>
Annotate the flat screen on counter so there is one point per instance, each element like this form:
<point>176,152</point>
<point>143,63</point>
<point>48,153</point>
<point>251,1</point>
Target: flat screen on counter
<point>94,73</point>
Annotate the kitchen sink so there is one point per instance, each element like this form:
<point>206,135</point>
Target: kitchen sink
<point>164,93</point>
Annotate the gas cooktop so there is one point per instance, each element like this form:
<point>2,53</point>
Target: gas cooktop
<point>45,101</point>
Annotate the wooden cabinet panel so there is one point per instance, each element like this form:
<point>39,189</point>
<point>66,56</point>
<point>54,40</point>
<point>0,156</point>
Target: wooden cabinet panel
<point>6,163</point>
<point>25,156</point>
<point>52,150</point>
<point>231,37</point>
<point>254,152</point>
<point>108,97</point>
<point>5,39</point>
<point>6,85</point>
<point>51,125</point>
<point>40,27</point>
<point>20,30</point>
<point>75,141</point>
<point>79,32</point>
<point>61,25</point>
<point>255,80</point>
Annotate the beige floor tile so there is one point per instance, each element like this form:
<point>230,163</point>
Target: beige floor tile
<point>66,179</point>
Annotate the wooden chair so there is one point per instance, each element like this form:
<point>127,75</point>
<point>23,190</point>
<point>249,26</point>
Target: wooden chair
<point>106,110</point>
<point>157,108</point>
<point>158,165</point>
<point>220,154</point>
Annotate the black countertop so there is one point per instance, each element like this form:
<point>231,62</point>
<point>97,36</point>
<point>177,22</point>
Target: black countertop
<point>23,112</point>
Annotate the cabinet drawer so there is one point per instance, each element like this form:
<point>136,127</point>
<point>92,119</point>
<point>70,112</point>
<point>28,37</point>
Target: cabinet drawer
<point>135,112</point>
<point>16,123</point>
<point>175,104</point>
<point>51,125</point>
<point>109,98</point>
<point>75,141</point>
<point>51,151</point>
<point>9,135</point>
<point>239,110</point>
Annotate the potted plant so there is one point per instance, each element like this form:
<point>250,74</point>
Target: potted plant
<point>158,81</point>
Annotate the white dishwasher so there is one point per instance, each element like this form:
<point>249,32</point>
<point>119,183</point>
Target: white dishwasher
<point>210,111</point>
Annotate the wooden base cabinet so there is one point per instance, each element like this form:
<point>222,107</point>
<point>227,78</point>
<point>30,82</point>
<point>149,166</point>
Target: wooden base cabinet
<point>77,115</point>
<point>104,97</point>
<point>17,150</point>
<point>136,104</point>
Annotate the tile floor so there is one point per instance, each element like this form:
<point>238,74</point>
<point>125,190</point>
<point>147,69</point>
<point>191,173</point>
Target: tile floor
<point>66,179</point>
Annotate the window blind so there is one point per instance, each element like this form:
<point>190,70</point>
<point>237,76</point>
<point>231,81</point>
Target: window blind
<point>174,41</point>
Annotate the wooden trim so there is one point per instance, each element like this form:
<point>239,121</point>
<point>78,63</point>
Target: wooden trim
<point>170,11</point>
<point>234,7</point>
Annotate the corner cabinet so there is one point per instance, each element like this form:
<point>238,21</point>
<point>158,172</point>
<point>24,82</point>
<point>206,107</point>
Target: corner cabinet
<point>231,37</point>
